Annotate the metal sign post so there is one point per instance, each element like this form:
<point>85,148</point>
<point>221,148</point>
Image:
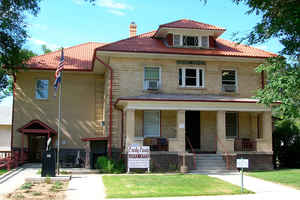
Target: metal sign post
<point>242,163</point>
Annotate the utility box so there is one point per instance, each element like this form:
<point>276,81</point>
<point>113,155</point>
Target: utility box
<point>49,163</point>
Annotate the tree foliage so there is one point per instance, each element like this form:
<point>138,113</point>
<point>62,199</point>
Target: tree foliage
<point>13,34</point>
<point>286,144</point>
<point>45,49</point>
<point>283,86</point>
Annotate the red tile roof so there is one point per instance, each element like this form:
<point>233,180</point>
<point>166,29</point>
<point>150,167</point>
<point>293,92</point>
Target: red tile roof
<point>190,24</point>
<point>145,43</point>
<point>77,58</point>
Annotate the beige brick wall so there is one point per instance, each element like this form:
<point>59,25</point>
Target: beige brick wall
<point>128,81</point>
<point>81,108</point>
<point>5,137</point>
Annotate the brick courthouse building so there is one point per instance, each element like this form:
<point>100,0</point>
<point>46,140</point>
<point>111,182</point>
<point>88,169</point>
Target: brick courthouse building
<point>181,89</point>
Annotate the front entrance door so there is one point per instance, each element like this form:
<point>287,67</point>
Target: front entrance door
<point>192,130</point>
<point>98,148</point>
<point>37,144</point>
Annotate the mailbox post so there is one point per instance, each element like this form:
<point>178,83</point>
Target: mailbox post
<point>242,163</point>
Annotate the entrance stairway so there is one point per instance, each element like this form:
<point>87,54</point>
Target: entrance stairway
<point>210,164</point>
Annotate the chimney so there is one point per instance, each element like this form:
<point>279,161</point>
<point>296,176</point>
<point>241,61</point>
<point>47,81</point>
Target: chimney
<point>132,29</point>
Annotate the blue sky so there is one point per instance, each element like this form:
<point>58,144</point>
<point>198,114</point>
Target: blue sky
<point>71,22</point>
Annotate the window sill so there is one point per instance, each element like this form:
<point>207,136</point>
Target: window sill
<point>192,88</point>
<point>229,93</point>
<point>139,138</point>
<point>41,99</point>
<point>229,139</point>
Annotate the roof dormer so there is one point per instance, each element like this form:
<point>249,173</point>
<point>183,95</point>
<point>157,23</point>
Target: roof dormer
<point>189,34</point>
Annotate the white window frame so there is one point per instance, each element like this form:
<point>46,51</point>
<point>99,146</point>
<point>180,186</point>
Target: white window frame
<point>158,131</point>
<point>36,88</point>
<point>159,81</point>
<point>236,79</point>
<point>195,36</point>
<point>201,45</point>
<point>197,77</point>
<point>180,40</point>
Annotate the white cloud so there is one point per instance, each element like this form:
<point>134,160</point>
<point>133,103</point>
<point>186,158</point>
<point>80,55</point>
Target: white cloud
<point>79,2</point>
<point>114,7</point>
<point>41,42</point>
<point>116,12</point>
<point>41,27</point>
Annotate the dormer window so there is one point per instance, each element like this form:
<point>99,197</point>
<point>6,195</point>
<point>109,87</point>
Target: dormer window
<point>190,41</point>
<point>176,40</point>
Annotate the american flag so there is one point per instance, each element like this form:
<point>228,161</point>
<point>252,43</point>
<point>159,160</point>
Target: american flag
<point>58,71</point>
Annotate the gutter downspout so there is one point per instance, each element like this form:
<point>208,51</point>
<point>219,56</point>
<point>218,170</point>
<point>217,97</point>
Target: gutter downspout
<point>122,132</point>
<point>110,105</point>
<point>13,110</point>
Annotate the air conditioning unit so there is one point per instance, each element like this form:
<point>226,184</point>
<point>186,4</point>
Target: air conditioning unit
<point>229,88</point>
<point>152,85</point>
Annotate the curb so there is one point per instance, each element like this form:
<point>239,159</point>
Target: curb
<point>9,174</point>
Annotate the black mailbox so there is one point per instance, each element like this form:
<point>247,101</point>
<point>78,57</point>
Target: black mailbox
<point>49,163</point>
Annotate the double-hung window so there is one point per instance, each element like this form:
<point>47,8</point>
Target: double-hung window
<point>151,78</point>
<point>229,81</point>
<point>231,121</point>
<point>190,41</point>
<point>152,123</point>
<point>191,77</point>
<point>41,90</point>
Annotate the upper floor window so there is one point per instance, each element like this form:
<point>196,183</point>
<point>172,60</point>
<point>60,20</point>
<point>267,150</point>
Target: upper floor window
<point>231,123</point>
<point>41,91</point>
<point>151,78</point>
<point>229,80</point>
<point>191,77</point>
<point>190,41</point>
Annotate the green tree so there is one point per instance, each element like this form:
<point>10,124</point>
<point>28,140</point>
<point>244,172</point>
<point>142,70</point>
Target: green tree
<point>5,80</point>
<point>281,20</point>
<point>45,49</point>
<point>13,34</point>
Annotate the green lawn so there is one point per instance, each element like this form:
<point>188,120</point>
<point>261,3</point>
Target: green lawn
<point>134,186</point>
<point>3,171</point>
<point>290,177</point>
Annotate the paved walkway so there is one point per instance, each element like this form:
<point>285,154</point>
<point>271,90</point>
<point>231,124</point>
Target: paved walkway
<point>85,186</point>
<point>17,178</point>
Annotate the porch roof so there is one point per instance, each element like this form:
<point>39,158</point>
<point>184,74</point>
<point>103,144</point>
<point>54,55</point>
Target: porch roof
<point>163,101</point>
<point>186,97</point>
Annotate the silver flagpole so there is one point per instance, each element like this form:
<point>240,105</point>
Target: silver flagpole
<point>59,121</point>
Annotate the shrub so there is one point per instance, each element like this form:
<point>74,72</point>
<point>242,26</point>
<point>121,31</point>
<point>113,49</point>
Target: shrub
<point>26,186</point>
<point>286,144</point>
<point>106,165</point>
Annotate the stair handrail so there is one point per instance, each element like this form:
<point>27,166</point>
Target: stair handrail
<point>224,149</point>
<point>193,151</point>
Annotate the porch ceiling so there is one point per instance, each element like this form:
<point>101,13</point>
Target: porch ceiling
<point>190,102</point>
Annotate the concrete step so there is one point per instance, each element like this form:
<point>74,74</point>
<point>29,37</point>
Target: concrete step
<point>198,171</point>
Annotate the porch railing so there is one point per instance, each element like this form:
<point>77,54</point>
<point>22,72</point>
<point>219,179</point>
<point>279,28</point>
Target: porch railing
<point>193,151</point>
<point>245,144</point>
<point>9,160</point>
<point>224,150</point>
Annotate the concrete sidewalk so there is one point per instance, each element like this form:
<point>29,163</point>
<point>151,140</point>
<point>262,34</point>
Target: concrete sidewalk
<point>17,178</point>
<point>86,186</point>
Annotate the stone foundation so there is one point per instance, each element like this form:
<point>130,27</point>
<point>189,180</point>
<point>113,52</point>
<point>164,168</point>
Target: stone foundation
<point>167,162</point>
<point>256,161</point>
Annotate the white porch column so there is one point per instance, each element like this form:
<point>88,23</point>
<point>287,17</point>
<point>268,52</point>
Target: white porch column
<point>265,143</point>
<point>221,131</point>
<point>130,128</point>
<point>180,131</point>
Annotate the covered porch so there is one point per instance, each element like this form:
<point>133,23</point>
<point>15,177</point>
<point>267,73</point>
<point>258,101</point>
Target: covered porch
<point>197,124</point>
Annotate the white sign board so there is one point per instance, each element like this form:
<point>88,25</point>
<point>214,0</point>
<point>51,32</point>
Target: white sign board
<point>242,163</point>
<point>138,157</point>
